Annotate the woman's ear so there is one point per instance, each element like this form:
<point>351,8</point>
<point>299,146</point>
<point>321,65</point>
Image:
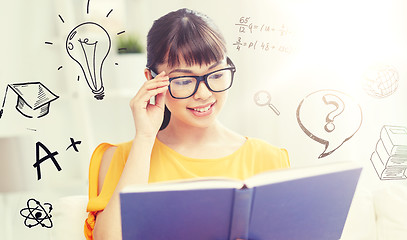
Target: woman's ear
<point>147,73</point>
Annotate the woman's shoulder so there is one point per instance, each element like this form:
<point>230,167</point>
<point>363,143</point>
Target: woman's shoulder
<point>107,149</point>
<point>104,155</point>
<point>268,155</point>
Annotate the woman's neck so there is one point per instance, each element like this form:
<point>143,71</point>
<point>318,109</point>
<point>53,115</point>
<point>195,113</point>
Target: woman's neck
<point>209,142</point>
<point>176,133</point>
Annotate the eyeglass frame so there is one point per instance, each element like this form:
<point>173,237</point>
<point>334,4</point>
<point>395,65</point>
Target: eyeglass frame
<point>203,78</point>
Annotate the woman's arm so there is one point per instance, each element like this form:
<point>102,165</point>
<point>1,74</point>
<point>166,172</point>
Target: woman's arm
<point>147,119</point>
<point>136,170</point>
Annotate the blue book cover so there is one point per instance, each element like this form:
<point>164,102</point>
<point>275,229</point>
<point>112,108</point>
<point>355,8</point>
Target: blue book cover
<point>299,203</point>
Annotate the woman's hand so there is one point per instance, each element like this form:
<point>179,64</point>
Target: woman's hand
<point>148,117</point>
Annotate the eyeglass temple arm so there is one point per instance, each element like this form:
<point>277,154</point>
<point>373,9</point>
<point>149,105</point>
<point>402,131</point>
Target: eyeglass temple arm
<point>229,62</point>
<point>153,74</point>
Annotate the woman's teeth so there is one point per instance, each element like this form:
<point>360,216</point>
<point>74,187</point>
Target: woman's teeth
<point>202,109</point>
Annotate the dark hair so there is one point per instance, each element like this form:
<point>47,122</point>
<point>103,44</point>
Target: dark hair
<point>184,34</point>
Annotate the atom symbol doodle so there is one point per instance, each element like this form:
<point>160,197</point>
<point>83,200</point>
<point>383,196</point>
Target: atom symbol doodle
<point>38,215</point>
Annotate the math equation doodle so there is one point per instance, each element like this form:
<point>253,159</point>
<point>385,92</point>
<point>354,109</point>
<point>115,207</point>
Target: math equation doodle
<point>88,44</point>
<point>261,36</point>
<point>245,26</point>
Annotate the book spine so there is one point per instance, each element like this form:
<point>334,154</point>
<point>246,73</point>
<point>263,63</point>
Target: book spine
<point>239,228</point>
<point>388,167</point>
<point>384,136</point>
<point>381,152</point>
<point>377,164</point>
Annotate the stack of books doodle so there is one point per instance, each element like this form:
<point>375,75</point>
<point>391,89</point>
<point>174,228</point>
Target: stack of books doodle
<point>390,156</point>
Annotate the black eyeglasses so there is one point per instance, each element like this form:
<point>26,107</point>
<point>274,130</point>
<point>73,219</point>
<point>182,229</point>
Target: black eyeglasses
<point>186,86</point>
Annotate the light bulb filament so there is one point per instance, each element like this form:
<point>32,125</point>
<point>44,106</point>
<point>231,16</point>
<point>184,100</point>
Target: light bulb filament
<point>92,66</point>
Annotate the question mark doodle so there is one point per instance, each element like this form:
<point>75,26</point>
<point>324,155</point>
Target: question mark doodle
<point>316,118</point>
<point>340,106</point>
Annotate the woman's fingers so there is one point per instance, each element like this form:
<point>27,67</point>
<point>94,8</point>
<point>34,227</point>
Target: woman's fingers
<point>150,88</point>
<point>153,93</point>
<point>148,117</point>
<point>150,85</point>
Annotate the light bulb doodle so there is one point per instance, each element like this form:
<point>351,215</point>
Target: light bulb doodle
<point>33,99</point>
<point>315,117</point>
<point>89,44</point>
<point>339,107</point>
<point>35,214</point>
<point>263,98</point>
<point>90,52</point>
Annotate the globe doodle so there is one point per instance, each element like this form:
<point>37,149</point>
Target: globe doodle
<point>381,81</point>
<point>35,214</point>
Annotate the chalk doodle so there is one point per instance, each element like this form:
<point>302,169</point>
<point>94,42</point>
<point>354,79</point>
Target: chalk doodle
<point>73,144</point>
<point>329,117</point>
<point>33,100</point>
<point>90,52</point>
<point>249,36</point>
<point>339,108</point>
<point>390,156</point>
<point>264,46</point>
<point>51,155</point>
<point>41,160</point>
<point>36,214</point>
<point>246,26</point>
<point>89,44</point>
<point>381,80</point>
<point>263,98</point>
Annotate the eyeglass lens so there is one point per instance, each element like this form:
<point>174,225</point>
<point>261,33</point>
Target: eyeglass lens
<point>217,81</point>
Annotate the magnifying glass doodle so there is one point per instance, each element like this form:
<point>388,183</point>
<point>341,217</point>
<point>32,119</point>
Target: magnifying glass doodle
<point>263,98</point>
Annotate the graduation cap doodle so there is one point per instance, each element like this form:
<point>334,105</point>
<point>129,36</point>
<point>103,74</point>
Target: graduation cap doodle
<point>33,100</point>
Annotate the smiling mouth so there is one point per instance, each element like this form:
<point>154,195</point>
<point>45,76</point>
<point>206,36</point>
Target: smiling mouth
<point>203,109</point>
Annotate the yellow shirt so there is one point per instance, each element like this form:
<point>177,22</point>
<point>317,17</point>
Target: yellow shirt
<point>253,157</point>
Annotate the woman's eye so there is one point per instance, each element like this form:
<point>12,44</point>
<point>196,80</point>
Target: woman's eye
<point>182,82</point>
<point>216,76</point>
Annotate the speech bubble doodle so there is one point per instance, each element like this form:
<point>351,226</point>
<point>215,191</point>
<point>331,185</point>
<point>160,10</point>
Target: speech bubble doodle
<point>329,117</point>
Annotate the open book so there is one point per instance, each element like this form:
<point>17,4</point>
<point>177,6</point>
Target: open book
<point>298,203</point>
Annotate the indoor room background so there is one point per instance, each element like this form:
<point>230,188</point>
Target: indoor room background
<point>327,80</point>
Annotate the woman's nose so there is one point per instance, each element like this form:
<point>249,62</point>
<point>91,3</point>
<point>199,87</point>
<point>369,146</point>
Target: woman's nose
<point>203,92</point>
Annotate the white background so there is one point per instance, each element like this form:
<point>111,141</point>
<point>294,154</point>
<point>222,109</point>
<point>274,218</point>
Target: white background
<point>333,44</point>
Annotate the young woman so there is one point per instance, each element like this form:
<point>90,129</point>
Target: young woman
<point>178,135</point>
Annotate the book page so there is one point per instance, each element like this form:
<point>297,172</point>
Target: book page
<point>190,184</point>
<point>299,172</point>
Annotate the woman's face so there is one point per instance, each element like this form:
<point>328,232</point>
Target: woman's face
<point>202,108</point>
